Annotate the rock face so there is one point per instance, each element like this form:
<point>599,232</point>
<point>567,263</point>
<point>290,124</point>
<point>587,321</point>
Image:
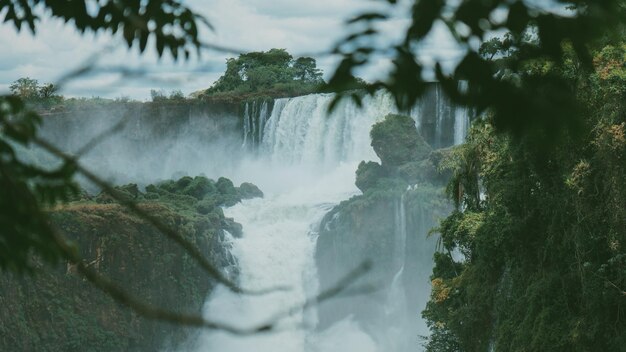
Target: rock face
<point>371,227</point>
<point>396,141</point>
<point>387,225</point>
<point>58,310</point>
<point>405,156</point>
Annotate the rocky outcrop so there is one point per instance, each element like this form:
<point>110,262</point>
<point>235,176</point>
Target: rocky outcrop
<point>387,225</point>
<point>396,141</point>
<point>57,310</point>
<point>405,156</point>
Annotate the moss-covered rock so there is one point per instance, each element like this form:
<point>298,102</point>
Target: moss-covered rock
<point>230,195</point>
<point>367,174</point>
<point>248,190</point>
<point>396,141</point>
<point>205,206</point>
<point>369,227</point>
<point>59,311</point>
<point>199,187</point>
<point>419,171</point>
<point>233,227</point>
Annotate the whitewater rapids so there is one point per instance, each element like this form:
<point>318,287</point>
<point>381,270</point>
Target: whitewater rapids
<point>305,163</point>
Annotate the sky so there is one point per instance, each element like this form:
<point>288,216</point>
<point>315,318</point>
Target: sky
<point>301,27</point>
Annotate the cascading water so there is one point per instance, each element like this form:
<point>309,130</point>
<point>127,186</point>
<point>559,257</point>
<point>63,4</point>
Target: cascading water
<point>253,124</point>
<point>305,165</point>
<point>398,336</point>
<point>246,125</point>
<point>461,118</point>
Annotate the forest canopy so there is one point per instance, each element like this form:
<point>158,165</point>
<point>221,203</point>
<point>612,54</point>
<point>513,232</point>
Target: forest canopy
<point>541,230</point>
<point>273,71</point>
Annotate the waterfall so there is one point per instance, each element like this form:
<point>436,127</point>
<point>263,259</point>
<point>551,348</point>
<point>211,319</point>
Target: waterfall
<point>439,115</point>
<point>461,124</point>
<point>400,233</point>
<point>246,124</point>
<point>253,121</point>
<point>305,164</point>
<point>262,119</point>
<point>399,338</point>
<point>461,118</point>
<point>300,131</point>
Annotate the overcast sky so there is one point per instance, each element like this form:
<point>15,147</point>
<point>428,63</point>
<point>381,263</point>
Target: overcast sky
<point>301,27</point>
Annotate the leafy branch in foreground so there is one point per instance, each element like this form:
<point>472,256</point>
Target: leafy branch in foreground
<point>534,103</point>
<point>28,230</point>
<point>170,23</point>
<point>54,246</point>
<point>25,232</point>
<point>541,231</point>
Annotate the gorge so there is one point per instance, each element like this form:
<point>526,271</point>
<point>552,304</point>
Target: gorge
<point>312,226</point>
<point>243,216</point>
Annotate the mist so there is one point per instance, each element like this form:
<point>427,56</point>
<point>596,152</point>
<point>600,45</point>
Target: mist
<point>304,160</point>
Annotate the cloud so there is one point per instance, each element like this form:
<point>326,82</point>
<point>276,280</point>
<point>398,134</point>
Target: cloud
<point>301,27</point>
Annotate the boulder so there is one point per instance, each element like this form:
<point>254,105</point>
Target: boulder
<point>396,141</point>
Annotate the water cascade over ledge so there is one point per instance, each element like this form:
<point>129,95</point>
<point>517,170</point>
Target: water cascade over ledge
<point>305,161</point>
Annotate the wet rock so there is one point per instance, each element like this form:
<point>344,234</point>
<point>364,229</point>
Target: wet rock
<point>248,190</point>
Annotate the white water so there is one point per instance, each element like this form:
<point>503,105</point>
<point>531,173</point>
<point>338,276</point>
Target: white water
<point>461,118</point>
<point>276,250</point>
<point>306,166</point>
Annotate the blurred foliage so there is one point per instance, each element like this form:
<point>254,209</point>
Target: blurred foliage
<point>170,24</point>
<point>541,231</point>
<point>28,190</point>
<point>527,102</point>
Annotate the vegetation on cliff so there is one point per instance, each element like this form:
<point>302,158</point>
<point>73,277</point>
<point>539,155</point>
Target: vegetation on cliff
<point>406,158</point>
<point>398,197</point>
<point>542,230</point>
<point>57,310</point>
<point>274,73</point>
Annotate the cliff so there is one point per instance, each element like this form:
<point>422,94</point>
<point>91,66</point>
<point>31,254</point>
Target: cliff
<point>388,225</point>
<point>57,310</point>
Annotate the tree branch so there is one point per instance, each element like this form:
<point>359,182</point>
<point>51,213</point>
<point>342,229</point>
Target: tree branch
<point>154,221</point>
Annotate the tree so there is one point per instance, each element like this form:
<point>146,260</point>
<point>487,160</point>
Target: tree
<point>177,95</point>
<point>264,71</point>
<point>539,227</point>
<point>40,96</point>
<point>542,105</point>
<point>25,88</point>
<point>305,69</point>
<point>157,95</point>
<point>47,91</point>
